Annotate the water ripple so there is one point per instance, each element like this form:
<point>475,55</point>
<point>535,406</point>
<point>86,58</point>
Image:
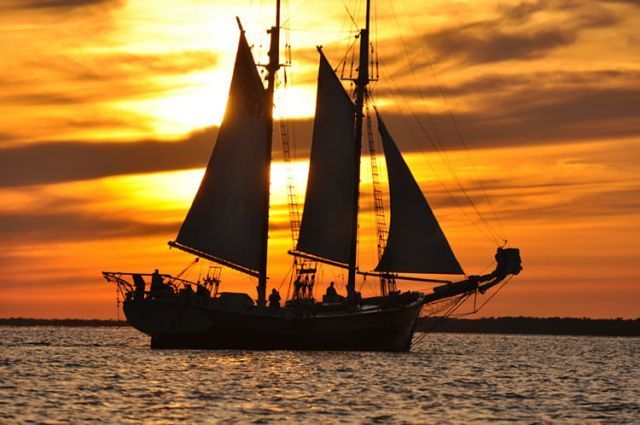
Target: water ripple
<point>109,375</point>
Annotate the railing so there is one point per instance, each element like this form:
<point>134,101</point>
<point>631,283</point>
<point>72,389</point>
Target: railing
<point>169,284</point>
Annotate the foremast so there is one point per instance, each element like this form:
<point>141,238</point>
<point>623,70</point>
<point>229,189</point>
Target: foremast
<point>272,68</point>
<point>228,221</point>
<point>361,86</point>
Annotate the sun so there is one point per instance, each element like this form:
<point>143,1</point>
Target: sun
<point>282,174</point>
<point>295,102</point>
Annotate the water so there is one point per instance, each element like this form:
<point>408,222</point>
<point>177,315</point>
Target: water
<point>109,375</point>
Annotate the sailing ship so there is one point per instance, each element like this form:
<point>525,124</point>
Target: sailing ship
<point>228,225</point>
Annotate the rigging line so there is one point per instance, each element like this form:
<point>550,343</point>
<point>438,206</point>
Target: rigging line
<point>353,21</point>
<point>350,47</point>
<point>258,23</point>
<point>375,26</point>
<point>454,306</point>
<point>476,310</point>
<point>290,282</point>
<point>396,90</point>
<point>377,194</point>
<point>423,98</point>
<point>450,307</point>
<point>286,277</point>
<point>490,233</point>
<point>454,121</point>
<point>433,170</point>
<point>346,54</point>
<point>286,21</point>
<point>496,292</point>
<point>356,9</point>
<point>440,149</point>
<point>292,194</point>
<point>344,24</point>
<point>414,139</point>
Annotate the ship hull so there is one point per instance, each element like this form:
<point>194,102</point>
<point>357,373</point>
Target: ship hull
<point>180,325</point>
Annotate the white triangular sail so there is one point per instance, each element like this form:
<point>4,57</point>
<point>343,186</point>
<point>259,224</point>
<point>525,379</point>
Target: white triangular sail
<point>226,219</point>
<point>327,226</point>
<point>416,243</point>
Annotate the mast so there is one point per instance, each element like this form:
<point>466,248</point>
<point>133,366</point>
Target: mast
<point>272,68</point>
<point>361,86</point>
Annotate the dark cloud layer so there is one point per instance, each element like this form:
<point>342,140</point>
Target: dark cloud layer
<point>543,82</point>
<point>65,226</point>
<point>512,36</point>
<point>57,4</point>
<point>592,204</point>
<point>67,161</point>
<point>526,116</point>
<point>482,43</point>
<point>115,66</point>
<point>530,116</point>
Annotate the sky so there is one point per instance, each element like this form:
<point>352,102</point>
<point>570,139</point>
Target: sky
<point>531,108</point>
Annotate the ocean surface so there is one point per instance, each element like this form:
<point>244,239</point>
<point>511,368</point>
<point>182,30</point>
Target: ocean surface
<point>109,375</point>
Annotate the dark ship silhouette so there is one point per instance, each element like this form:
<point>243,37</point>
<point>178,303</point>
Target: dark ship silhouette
<point>228,223</point>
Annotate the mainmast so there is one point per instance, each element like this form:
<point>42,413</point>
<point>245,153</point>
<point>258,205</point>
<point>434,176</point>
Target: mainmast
<point>361,87</point>
<point>272,67</point>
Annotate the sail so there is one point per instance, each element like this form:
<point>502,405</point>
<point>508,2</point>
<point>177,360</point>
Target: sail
<point>416,243</point>
<point>226,219</point>
<point>327,226</point>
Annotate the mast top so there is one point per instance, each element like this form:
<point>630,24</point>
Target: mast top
<point>239,24</point>
<point>368,14</point>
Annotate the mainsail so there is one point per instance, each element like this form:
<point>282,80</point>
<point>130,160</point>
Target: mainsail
<point>327,226</point>
<point>226,219</point>
<point>416,243</point>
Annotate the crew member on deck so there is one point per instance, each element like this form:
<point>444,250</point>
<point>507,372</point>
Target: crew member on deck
<point>157,282</point>
<point>138,281</point>
<point>331,296</point>
<point>274,299</point>
<point>310,288</point>
<point>187,291</point>
<point>202,291</point>
<point>297,286</point>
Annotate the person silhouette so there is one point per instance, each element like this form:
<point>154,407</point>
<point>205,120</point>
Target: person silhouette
<point>157,282</point>
<point>331,295</point>
<point>274,299</point>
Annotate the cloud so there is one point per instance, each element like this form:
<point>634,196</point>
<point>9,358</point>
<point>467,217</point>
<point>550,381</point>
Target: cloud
<point>528,114</point>
<point>485,42</point>
<point>76,80</point>
<point>50,217</point>
<point>603,202</point>
<point>513,35</point>
<point>57,4</point>
<point>65,226</point>
<point>111,66</point>
<point>67,161</point>
<point>535,108</point>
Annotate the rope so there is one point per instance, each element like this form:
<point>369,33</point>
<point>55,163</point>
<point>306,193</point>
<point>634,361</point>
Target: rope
<point>495,293</point>
<point>453,308</point>
<point>455,123</point>
<point>396,91</point>
<point>437,143</point>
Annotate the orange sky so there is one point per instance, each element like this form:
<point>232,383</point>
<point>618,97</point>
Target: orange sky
<point>109,110</point>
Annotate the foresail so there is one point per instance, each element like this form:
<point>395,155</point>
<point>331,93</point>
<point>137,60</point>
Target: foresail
<point>326,226</point>
<point>416,243</point>
<point>227,215</point>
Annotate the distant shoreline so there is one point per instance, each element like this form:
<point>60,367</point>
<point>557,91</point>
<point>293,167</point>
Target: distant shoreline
<point>533,326</point>
<point>493,325</point>
<point>22,321</point>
